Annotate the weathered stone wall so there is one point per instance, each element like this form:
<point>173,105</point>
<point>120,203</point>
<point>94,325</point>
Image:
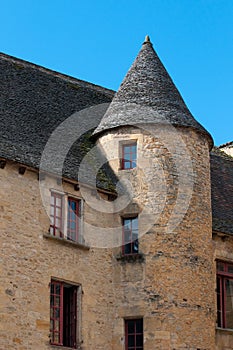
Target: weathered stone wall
<point>172,284</point>
<point>29,260</point>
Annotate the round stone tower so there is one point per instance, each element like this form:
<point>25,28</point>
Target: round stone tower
<point>163,270</point>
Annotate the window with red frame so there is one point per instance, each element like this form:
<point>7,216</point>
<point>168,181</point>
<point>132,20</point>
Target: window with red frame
<point>65,223</point>
<point>73,219</point>
<point>129,156</point>
<point>134,334</point>
<point>63,314</point>
<point>56,214</point>
<point>225,294</point>
<point>130,236</point>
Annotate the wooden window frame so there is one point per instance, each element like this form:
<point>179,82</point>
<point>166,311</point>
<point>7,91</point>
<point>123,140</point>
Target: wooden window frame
<point>63,317</point>
<point>70,225</point>
<point>129,243</point>
<point>54,216</point>
<point>136,346</point>
<point>73,233</point>
<point>222,275</point>
<point>131,160</point>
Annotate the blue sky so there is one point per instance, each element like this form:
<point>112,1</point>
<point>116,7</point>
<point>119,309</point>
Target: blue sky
<point>97,41</point>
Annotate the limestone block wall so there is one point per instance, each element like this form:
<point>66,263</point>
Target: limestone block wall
<point>172,284</point>
<point>29,260</point>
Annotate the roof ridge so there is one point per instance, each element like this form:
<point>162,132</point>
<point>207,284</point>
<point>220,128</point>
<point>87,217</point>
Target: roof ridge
<point>230,143</point>
<point>56,74</point>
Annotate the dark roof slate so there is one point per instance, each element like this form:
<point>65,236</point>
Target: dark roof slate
<point>33,102</point>
<point>148,84</point>
<point>222,191</point>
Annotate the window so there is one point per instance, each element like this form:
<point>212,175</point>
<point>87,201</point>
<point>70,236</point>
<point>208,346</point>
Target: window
<point>129,156</point>
<point>225,294</point>
<point>63,314</point>
<point>134,334</point>
<point>65,214</point>
<point>130,236</point>
<point>56,214</point>
<point>73,219</point>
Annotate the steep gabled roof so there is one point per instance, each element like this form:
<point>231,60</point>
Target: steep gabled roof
<point>147,84</point>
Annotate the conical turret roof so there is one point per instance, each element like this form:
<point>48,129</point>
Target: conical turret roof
<point>147,95</point>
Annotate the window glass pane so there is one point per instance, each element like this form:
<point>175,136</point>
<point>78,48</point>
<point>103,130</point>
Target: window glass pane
<point>52,199</point>
<point>220,266</point>
<point>131,340</point>
<point>52,288</point>
<point>134,148</point>
<point>127,165</point>
<point>58,212</point>
<point>133,164</point>
<point>51,325</point>
<point>57,232</point>
<point>58,201</point>
<point>127,248</point>
<point>56,325</point>
<point>130,325</point>
<point>139,340</point>
<point>51,311</point>
<point>230,268</point>
<point>126,149</point>
<point>139,326</point>
<point>52,210</point>
<point>135,223</point>
<point>229,303</point>
<point>219,307</point>
<point>56,338</point>
<point>130,239</point>
<point>127,223</point>
<point>135,246</point>
<point>57,289</point>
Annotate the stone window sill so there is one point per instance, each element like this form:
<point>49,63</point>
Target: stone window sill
<point>225,330</point>
<point>67,242</point>
<point>131,258</point>
<point>58,347</point>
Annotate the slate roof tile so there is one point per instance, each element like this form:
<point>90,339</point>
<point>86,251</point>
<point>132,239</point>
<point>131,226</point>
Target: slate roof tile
<point>147,84</point>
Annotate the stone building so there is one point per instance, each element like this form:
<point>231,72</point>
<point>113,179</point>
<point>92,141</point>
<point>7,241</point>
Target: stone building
<point>116,215</point>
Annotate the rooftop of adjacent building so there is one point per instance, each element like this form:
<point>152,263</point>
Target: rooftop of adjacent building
<point>227,144</point>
